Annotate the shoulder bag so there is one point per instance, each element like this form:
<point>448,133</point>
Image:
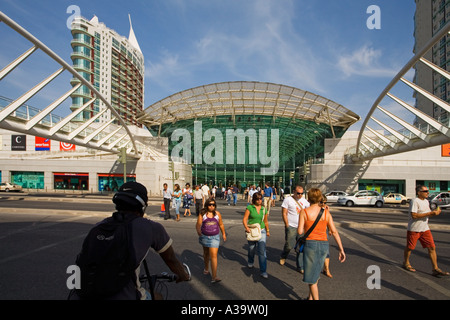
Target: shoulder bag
<point>255,230</point>
<point>299,246</point>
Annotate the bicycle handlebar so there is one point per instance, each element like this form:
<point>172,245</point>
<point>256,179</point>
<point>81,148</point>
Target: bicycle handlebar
<point>167,276</point>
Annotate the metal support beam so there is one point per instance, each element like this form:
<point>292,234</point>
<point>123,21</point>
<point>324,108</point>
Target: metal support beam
<point>437,133</point>
<point>27,96</point>
<point>10,67</point>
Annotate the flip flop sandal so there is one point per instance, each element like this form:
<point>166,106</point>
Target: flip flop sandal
<point>409,268</point>
<point>327,273</point>
<point>439,273</point>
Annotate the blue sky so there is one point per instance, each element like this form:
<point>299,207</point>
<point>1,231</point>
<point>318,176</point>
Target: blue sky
<point>323,46</point>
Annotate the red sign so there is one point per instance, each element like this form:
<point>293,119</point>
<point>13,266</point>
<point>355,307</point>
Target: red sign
<point>445,150</point>
<point>63,146</point>
<point>42,144</point>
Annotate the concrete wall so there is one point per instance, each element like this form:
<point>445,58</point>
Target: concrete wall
<point>150,173</point>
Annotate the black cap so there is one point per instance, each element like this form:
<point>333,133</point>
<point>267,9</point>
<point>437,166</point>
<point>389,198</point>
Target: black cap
<point>135,188</point>
<point>132,193</point>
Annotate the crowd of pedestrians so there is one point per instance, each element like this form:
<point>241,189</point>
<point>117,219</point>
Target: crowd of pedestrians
<point>297,214</point>
<point>300,213</point>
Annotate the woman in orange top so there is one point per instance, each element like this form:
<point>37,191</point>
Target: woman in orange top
<point>316,247</point>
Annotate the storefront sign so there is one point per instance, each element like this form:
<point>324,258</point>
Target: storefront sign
<point>63,146</point>
<point>18,142</point>
<point>42,144</point>
<point>445,150</point>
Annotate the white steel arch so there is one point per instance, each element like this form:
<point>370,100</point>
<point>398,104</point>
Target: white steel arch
<point>105,137</point>
<point>383,139</point>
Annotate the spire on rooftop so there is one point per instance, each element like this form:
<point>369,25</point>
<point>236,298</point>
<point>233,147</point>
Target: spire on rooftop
<point>132,37</point>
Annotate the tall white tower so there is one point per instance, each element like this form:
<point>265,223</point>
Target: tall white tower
<point>113,64</point>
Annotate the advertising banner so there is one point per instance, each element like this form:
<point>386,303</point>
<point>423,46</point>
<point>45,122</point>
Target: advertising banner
<point>42,144</point>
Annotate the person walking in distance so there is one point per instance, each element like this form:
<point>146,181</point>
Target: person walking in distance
<point>267,197</point>
<point>316,246</point>
<point>167,196</point>
<point>209,225</point>
<point>188,196</point>
<point>234,192</point>
<point>229,195</point>
<point>418,229</point>
<point>206,193</point>
<point>251,192</point>
<point>177,193</point>
<point>199,199</point>
<point>290,212</point>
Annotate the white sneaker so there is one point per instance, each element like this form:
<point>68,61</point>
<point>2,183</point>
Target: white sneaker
<point>264,275</point>
<point>250,265</point>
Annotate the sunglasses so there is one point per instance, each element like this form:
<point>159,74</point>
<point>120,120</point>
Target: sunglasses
<point>211,204</point>
<point>426,191</point>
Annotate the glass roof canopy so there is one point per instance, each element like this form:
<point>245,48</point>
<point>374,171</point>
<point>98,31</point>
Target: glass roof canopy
<point>303,120</point>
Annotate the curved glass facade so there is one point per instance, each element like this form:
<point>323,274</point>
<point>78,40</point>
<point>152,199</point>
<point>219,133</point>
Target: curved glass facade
<point>247,132</point>
<point>223,153</point>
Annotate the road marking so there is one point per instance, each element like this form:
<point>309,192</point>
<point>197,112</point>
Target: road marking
<point>428,282</point>
<point>33,226</point>
<point>23,254</point>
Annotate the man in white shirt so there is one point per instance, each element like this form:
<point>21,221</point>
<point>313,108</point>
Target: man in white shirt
<point>167,197</point>
<point>206,193</point>
<point>199,199</point>
<point>251,192</point>
<point>418,229</point>
<point>290,209</point>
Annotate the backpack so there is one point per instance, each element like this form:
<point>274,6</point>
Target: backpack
<point>107,260</point>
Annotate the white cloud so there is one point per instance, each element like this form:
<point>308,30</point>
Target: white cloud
<point>265,48</point>
<point>364,61</point>
<point>162,72</point>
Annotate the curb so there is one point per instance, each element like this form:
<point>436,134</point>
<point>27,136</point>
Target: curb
<point>159,218</point>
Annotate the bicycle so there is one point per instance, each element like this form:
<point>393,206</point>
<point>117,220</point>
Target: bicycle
<point>156,285</point>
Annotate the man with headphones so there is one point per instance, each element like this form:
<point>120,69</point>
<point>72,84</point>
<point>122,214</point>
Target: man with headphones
<point>131,202</point>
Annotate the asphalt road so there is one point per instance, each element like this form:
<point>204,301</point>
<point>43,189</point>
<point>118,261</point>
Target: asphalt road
<point>41,236</point>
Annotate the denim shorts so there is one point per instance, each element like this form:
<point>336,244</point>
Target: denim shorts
<point>209,241</point>
<point>314,255</point>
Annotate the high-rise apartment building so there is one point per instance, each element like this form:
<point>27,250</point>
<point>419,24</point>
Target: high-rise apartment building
<point>430,17</point>
<point>113,64</point>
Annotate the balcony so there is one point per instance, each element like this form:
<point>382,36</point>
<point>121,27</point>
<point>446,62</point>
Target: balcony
<point>75,54</point>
